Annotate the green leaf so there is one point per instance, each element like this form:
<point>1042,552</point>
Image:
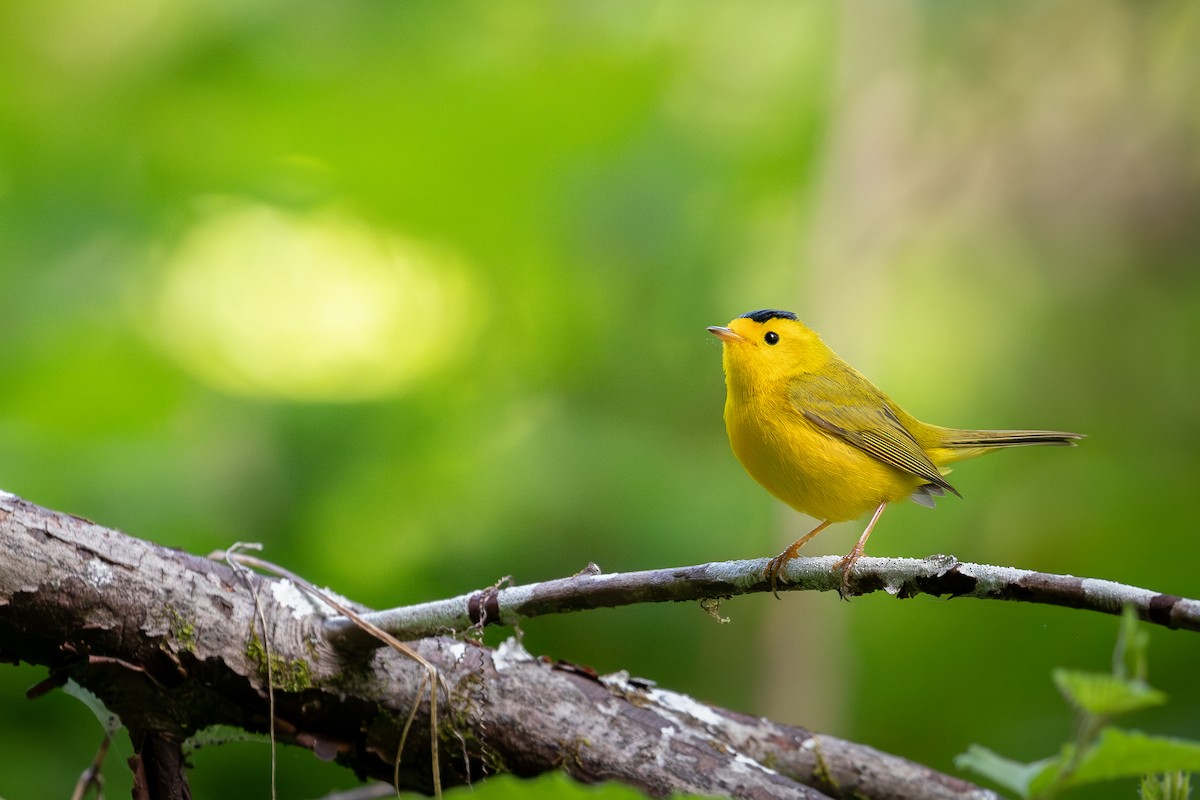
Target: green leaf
<point>1012,775</point>
<point>215,735</point>
<point>107,719</point>
<point>1105,695</point>
<point>1124,754</point>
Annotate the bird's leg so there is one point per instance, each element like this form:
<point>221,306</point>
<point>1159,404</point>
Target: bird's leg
<point>776,564</point>
<point>846,563</point>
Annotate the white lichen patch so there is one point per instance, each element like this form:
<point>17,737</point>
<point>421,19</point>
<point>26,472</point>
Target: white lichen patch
<point>98,573</point>
<point>289,596</point>
<point>750,763</point>
<point>663,754</point>
<point>682,704</point>
<point>7,495</point>
<point>892,570</point>
<point>1108,594</point>
<point>616,681</point>
<point>510,654</point>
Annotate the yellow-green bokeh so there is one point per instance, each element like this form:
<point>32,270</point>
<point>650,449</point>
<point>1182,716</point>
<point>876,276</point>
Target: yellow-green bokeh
<point>317,307</point>
<point>415,295</point>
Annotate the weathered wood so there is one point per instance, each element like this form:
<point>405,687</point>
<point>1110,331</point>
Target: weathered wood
<point>173,644</point>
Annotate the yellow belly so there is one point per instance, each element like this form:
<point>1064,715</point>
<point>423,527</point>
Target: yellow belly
<point>809,469</point>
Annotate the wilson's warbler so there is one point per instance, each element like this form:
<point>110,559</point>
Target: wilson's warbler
<point>823,439</point>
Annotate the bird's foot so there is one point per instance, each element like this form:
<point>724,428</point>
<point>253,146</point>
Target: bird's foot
<point>775,567</point>
<point>845,565</point>
<point>776,564</point>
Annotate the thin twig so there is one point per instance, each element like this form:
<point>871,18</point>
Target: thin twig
<point>93,776</point>
<point>900,577</point>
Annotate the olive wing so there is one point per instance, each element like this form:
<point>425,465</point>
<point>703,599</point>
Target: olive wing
<point>846,405</point>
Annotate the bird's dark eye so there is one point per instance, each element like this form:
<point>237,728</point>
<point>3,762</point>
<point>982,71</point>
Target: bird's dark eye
<point>771,338</point>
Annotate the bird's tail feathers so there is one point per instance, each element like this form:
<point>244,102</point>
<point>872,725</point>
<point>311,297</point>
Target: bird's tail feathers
<point>971,440</point>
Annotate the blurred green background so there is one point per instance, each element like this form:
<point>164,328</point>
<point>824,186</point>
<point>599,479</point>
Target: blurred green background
<point>415,295</point>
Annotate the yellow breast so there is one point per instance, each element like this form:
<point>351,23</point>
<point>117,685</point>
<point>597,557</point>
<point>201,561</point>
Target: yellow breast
<point>805,467</point>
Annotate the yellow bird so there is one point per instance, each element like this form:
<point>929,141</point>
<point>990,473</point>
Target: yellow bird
<point>823,439</point>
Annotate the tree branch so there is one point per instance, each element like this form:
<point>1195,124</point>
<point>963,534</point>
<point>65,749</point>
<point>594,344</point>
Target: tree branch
<point>900,577</point>
<point>174,644</point>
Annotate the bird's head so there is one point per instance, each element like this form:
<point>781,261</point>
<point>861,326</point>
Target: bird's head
<point>768,346</point>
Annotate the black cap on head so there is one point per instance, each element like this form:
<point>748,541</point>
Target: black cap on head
<point>765,314</point>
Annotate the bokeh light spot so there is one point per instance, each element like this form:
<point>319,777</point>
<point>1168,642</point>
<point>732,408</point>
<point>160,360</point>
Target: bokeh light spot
<point>309,307</point>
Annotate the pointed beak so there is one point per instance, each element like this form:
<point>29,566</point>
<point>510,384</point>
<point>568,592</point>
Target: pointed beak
<point>725,334</point>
